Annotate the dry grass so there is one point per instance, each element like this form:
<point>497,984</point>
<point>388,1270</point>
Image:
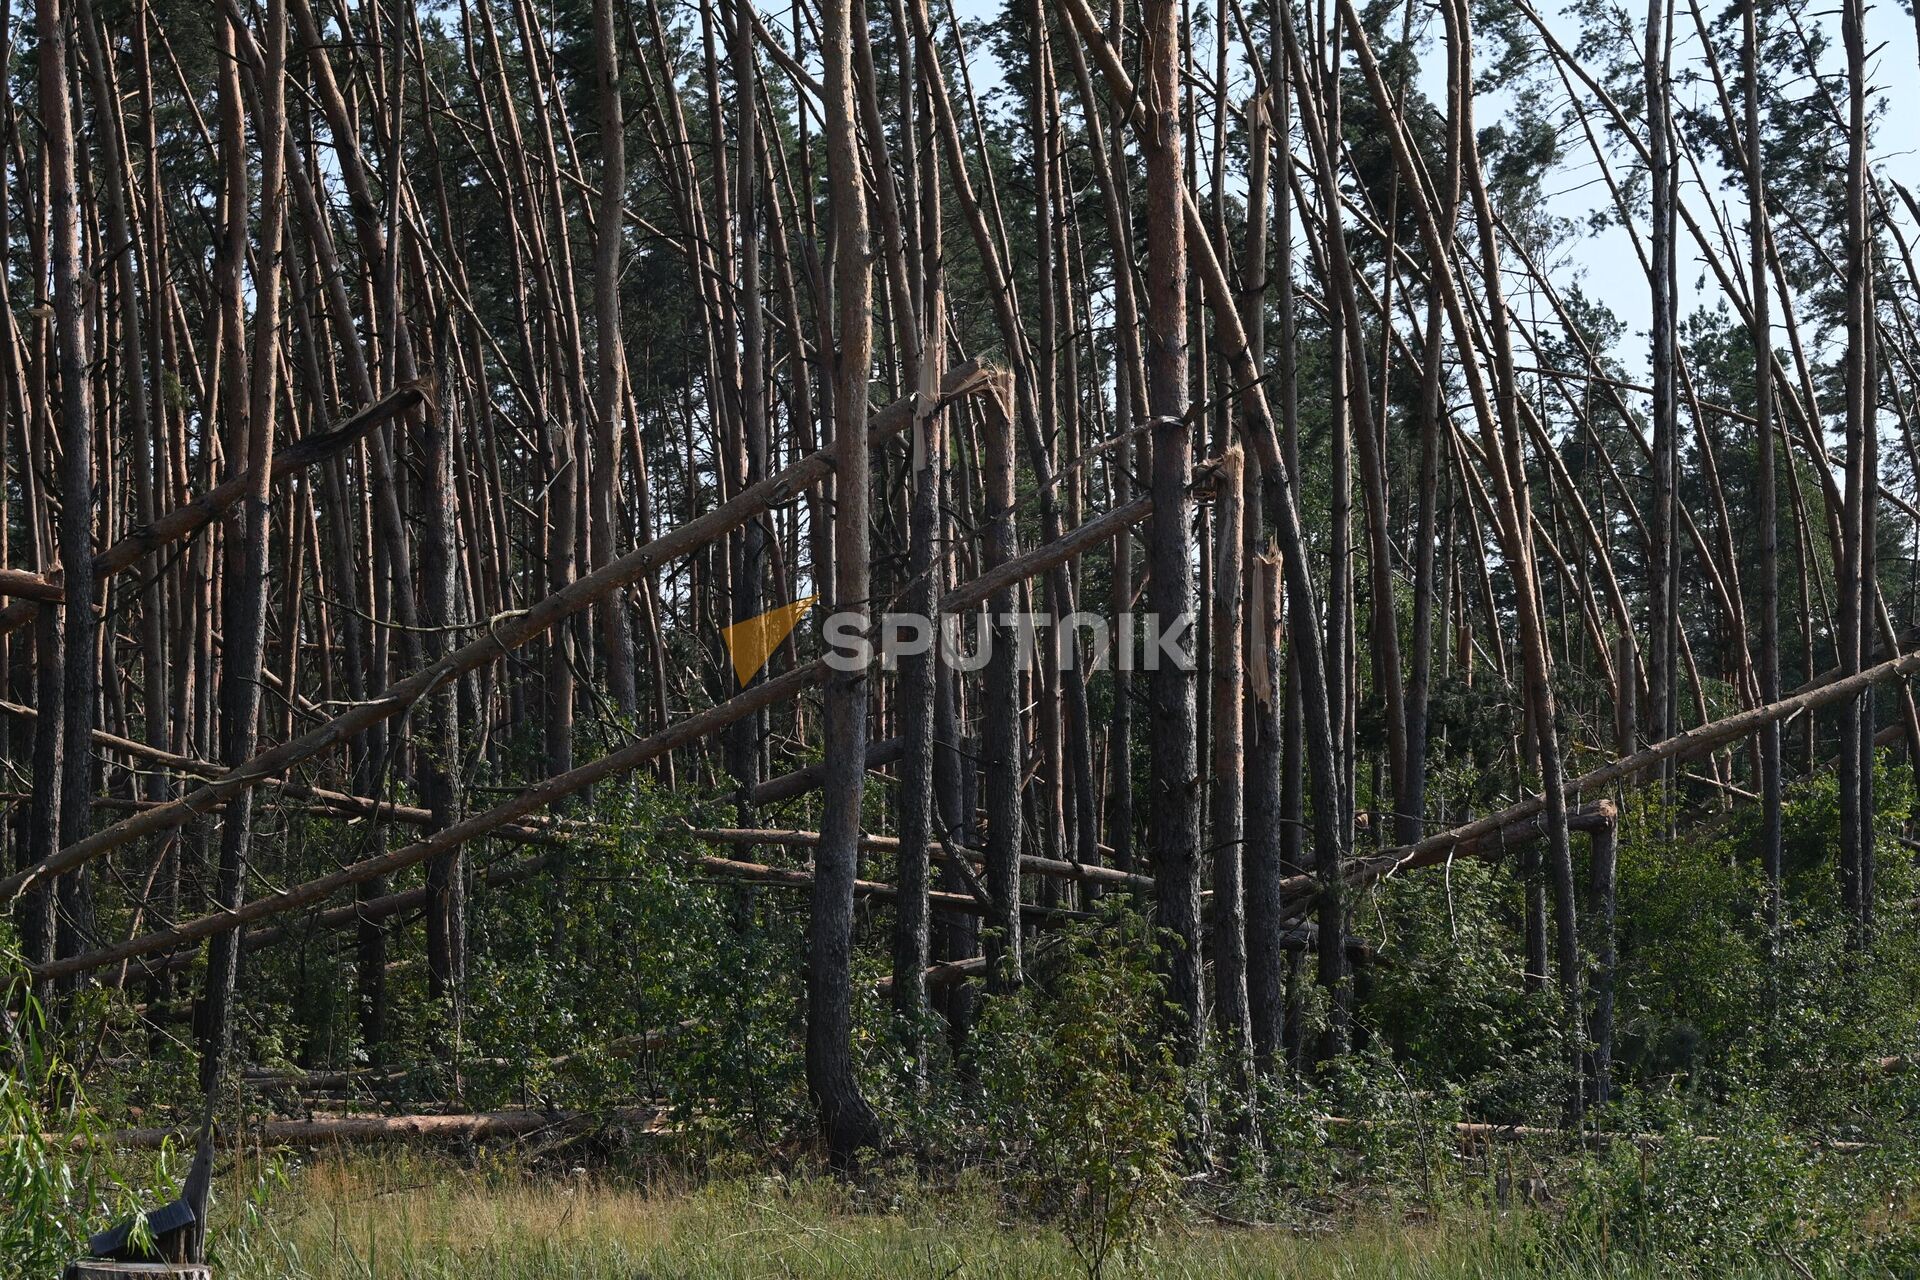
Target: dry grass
<point>397,1215</point>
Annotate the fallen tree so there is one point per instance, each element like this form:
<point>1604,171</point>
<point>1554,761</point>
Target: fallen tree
<point>322,800</point>
<point>501,874</point>
<point>1688,744</point>
<point>368,911</point>
<point>799,878</point>
<point>23,584</point>
<point>1031,564</point>
<point>1033,864</point>
<point>503,635</point>
<point>1361,872</point>
<point>614,764</point>
<point>323,1130</point>
<point>1471,1134</point>
<point>191,517</point>
<point>640,1042</point>
<point>810,777</point>
<point>1300,938</point>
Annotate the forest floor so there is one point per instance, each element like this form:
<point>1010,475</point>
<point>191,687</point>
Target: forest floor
<point>393,1217</point>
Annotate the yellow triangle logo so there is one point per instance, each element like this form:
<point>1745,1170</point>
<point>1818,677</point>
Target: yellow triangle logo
<point>752,642</point>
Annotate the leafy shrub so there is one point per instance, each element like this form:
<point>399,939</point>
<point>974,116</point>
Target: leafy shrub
<point>1082,1092</point>
<point>53,1181</point>
<point>1752,1192</point>
<point>649,945</point>
<point>1452,1006</point>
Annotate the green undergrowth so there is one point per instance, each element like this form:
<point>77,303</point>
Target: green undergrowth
<point>1765,1119</point>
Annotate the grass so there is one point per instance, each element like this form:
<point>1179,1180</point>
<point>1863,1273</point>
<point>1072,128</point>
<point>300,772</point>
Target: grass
<point>400,1215</point>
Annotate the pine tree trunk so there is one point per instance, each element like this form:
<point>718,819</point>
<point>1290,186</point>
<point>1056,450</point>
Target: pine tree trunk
<point>1227,796</point>
<point>1173,786</point>
<point>1001,758</point>
<point>439,752</point>
<point>616,634</point>
<point>1766,484</point>
<point>81,631</point>
<point>252,399</point>
<point>848,1121</point>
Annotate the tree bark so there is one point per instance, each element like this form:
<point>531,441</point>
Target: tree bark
<point>1760,330</point>
<point>847,1119</point>
<point>1001,759</point>
<point>255,398</point>
<point>1227,797</point>
<point>80,643</point>
<point>1173,786</point>
<point>616,634</point>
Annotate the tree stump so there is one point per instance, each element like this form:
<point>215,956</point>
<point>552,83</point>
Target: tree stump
<point>101,1269</point>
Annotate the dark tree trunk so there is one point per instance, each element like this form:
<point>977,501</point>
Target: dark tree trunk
<point>252,401</point>
<point>438,750</point>
<point>847,1119</point>
<point>79,652</point>
<point>1173,788</point>
<point>1227,797</point>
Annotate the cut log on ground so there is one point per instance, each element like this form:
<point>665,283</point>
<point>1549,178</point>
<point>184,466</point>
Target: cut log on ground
<point>1472,1134</point>
<point>322,1130</point>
